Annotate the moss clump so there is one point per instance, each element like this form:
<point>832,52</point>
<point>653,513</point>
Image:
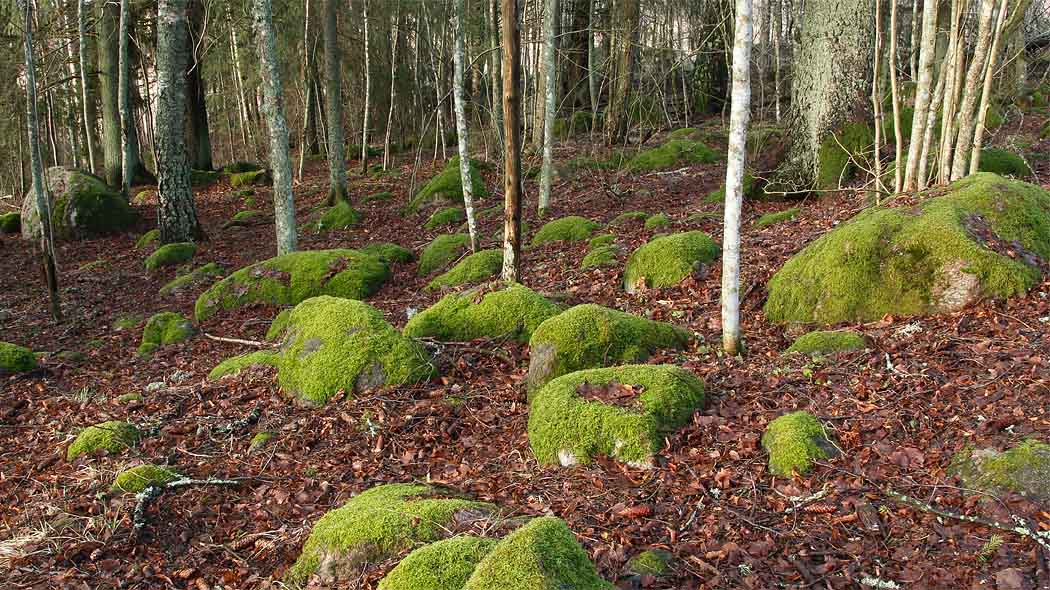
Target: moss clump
<point>826,342</point>
<point>380,196</point>
<point>475,268</point>
<point>445,217</point>
<point>602,240</point>
<point>113,436</point>
<point>278,326</point>
<point>16,359</point>
<point>794,441</point>
<point>128,321</point>
<point>444,565</point>
<point>1023,469</point>
<point>752,189</point>
<point>683,133</point>
<point>652,562</point>
<point>339,216</point>
<point>163,329</point>
<point>441,252</point>
<point>702,216</point>
<point>567,429</point>
<point>838,156</point>
<point>294,277</point>
<point>919,260</point>
<point>249,178</point>
<point>776,217</point>
<point>994,117</point>
<point>541,555</point>
<point>335,344</point>
<point>235,365</point>
<point>673,153</point>
<point>260,440</point>
<point>11,223</point>
<point>241,167</point>
<point>601,256</point>
<point>246,218</point>
<point>589,335</point>
<point>514,311</point>
<point>129,398</point>
<point>170,254</point>
<point>657,221</point>
<point>148,239</point>
<point>667,260</point>
<point>376,525</point>
<point>447,187</point>
<point>389,252</point>
<point>82,207</point>
<point>197,276</point>
<point>572,229</point>
<point>1003,163</point>
<point>138,478</point>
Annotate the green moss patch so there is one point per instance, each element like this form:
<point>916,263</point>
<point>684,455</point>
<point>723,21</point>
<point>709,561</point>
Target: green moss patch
<point>776,217</point>
<point>657,221</point>
<point>249,178</point>
<point>142,197</point>
<point>752,189</point>
<point>16,359</point>
<point>198,276</point>
<point>441,252</point>
<point>447,187</point>
<point>234,365</point>
<point>445,217</point>
<point>380,196</point>
<point>827,342</point>
<point>389,252</point>
<point>128,321</point>
<point>840,153</point>
<point>667,260</point>
<point>170,254</point>
<point>203,177</point>
<point>140,477</point>
<point>260,441</point>
<point>652,562</point>
<point>601,256</point>
<point>247,218</point>
<point>113,436</point>
<point>444,565</point>
<point>1023,469</point>
<point>565,427</point>
<point>459,317</point>
<point>794,441</point>
<point>602,240</point>
<point>676,152</point>
<point>940,255</point>
<point>279,325</point>
<point>339,216</point>
<point>588,336</point>
<point>164,329</point>
<point>294,277</point>
<point>82,207</point>
<point>1003,163</point>
<point>571,229</point>
<point>241,167</point>
<point>475,268</point>
<point>11,223</point>
<point>148,239</point>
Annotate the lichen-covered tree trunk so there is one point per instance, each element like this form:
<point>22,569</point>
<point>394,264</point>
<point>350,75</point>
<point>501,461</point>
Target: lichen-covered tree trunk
<point>177,214</point>
<point>495,66</point>
<point>108,58</point>
<point>574,74</point>
<point>198,134</point>
<point>273,110</point>
<point>127,164</point>
<point>87,98</point>
<point>550,48</point>
<point>395,36</point>
<point>512,134</point>
<point>459,56</point>
<point>832,72</point>
<point>333,74</point>
<point>368,92</point>
<point>617,114</point>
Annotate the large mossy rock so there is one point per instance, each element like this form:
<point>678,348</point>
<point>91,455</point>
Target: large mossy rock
<point>1023,469</point>
<point>984,238</point>
<point>440,252</point>
<point>827,342</point>
<point>377,525</point>
<point>619,412</point>
<point>113,436</point>
<point>170,255</point>
<point>443,565</point>
<point>589,336</point>
<point>339,216</point>
<point>164,329</point>
<point>16,359</point>
<point>794,441</point>
<point>515,311</point>
<point>676,152</point>
<point>333,344</point>
<point>447,189</point>
<point>666,261</point>
<point>566,229</point>
<point>295,277</point>
<point>82,206</point>
<point>477,267</point>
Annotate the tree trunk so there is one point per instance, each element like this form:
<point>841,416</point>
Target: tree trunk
<point>574,73</point>
<point>617,115</point>
<point>127,166</point>
<point>87,99</point>
<point>550,107</point>
<point>986,91</point>
<point>965,120</point>
<point>458,56</point>
<point>196,105</point>
<point>512,133</point>
<point>496,66</point>
<point>395,36</point>
<point>333,73</point>
<point>368,93</point>
<point>108,58</point>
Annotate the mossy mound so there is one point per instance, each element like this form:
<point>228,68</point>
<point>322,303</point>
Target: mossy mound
<point>246,218</point>
<point>11,223</point>
<point>82,206</point>
<point>794,441</point>
<point>148,239</point>
<point>684,133</point>
<point>601,256</point>
<point>163,329</point>
<point>676,152</point>
<point>667,260</point>
<point>1003,163</point>
<point>1023,469</point>
<point>602,240</point>
<point>198,276</point>
<point>294,277</point>
<point>140,477</point>
<point>376,525</point>
<point>938,256</point>
<point>113,436</point>
<point>565,427</point>
<point>752,189</point>
<point>570,229</point>
<point>260,441</point>
<point>589,336</point>
<point>335,344</point>
<point>236,364</point>
<point>840,153</point>
<point>777,217</point>
<point>389,252</point>
<point>170,254</point>
<point>241,167</point>
<point>128,321</point>
<point>445,217</point>
<point>279,325</point>
<point>249,178</point>
<point>444,565</point>
<point>441,252</point>
<point>628,217</point>
<point>827,342</point>
<point>475,268</point>
<point>652,562</point>
<point>16,359</point>
<point>203,177</point>
<point>339,216</point>
<point>459,317</point>
<point>380,196</point>
<point>657,221</point>
<point>447,188</point>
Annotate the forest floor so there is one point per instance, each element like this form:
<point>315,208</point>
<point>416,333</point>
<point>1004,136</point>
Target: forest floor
<point>924,389</point>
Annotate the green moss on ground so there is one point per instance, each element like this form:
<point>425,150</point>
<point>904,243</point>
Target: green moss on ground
<point>776,217</point>
<point>923,259</point>
<point>652,562</point>
<point>667,260</point>
<point>294,277</point>
<point>170,254</point>
<point>138,478</point>
<point>675,152</point>
<point>148,239</point>
<point>441,252</point>
<point>447,186</point>
<point>684,133</point>
<point>794,441</point>
<point>128,321</point>
<point>566,428</point>
<point>16,359</point>
<point>11,223</point>
<point>260,441</point>
<point>994,117</point>
<point>572,229</point>
<point>1023,469</point>
<point>376,525</point>
<point>601,256</point>
<point>827,342</point>
<point>249,178</point>
<point>1003,163</point>
<point>475,268</point>
<point>702,216</point>
<point>241,167</point>
<point>389,252</point>
<point>246,218</point>
<point>459,317</point>
<point>84,208</point>
<point>444,565</point>
<point>235,365</point>
<point>751,186</point>
<point>380,196</point>
<point>279,325</point>
<point>602,240</point>
<point>339,216</point>
<point>588,336</point>
<point>657,221</point>
<point>113,436</point>
<point>142,197</point>
<point>129,398</point>
<point>198,276</point>
<point>445,217</point>
<point>163,329</point>
<point>203,177</point>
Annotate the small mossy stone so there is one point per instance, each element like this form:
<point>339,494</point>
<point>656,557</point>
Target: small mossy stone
<point>667,260</point>
<point>294,277</point>
<point>376,525</point>
<point>82,206</point>
<point>129,398</point>
<point>601,256</point>
<point>246,218</point>
<point>198,276</point>
<point>278,326</point>
<point>827,342</point>
<point>571,229</point>
<point>446,217</point>
<point>702,216</point>
<point>170,255</point>
<point>142,197</point>
<point>657,221</point>
<point>148,239</point>
<point>447,187</point>
<point>441,252</point>
<point>260,441</point>
<point>565,428</point>
<point>249,178</point>
<point>113,436</point>
<point>339,216</point>
<point>514,311</point>
<point>651,562</point>
<point>389,252</point>
<point>589,335</point>
<point>164,329</point>
<point>380,196</point>
<point>11,223</point>
<point>140,477</point>
<point>776,217</point>
<point>475,268</point>
<point>602,240</point>
<point>1023,469</point>
<point>16,359</point>
<point>128,321</point>
<point>234,365</point>
<point>676,152</point>
<point>444,565</point>
<point>794,441</point>
<point>1003,163</point>
<point>241,167</point>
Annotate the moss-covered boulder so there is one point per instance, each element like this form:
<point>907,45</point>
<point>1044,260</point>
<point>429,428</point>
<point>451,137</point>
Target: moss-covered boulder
<point>447,189</point>
<point>339,216</point>
<point>827,342</point>
<point>1023,469</point>
<point>794,441</point>
<point>234,365</point>
<point>113,436</point>
<point>1003,163</point>
<point>279,325</point>
<point>16,359</point>
<point>601,256</point>
<point>389,252</point>
<point>442,565</point>
<point>667,260</point>
<point>82,206</point>
<point>333,344</point>
<point>379,524</point>
<point>135,479</point>
<point>676,152</point>
<point>459,317</point>
<point>11,223</point>
<point>196,277</point>
<point>163,329</point>
<point>170,254</point>
<point>250,178</point>
<point>441,252</point>
<point>568,229</point>
<point>619,412</point>
<point>629,217</point>
<point>984,238</point>
<point>445,217</point>
<point>247,218</point>
<point>148,239</point>
<point>776,217</point>
<point>588,336</point>
<point>475,268</point>
<point>294,277</point>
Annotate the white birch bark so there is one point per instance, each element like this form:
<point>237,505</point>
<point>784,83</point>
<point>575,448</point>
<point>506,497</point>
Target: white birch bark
<point>927,53</point>
<point>395,34</point>
<point>965,118</point>
<point>986,92</point>
<point>368,95</point>
<point>458,57</point>
<point>551,93</point>
<point>89,123</point>
<point>123,103</point>
<point>895,97</point>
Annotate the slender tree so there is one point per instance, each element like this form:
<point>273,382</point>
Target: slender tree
<point>458,57</point>
<point>333,73</point>
<point>512,135</point>
<point>551,90</point>
<point>196,107</point>
<point>108,65</point>
<point>368,93</point>
<point>127,164</point>
<point>395,36</point>
<point>87,100</point>
<point>617,115</point>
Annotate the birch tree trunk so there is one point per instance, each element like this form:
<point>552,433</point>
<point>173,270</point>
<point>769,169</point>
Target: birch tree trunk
<point>368,94</point>
<point>895,97</point>
<point>512,133</point>
<point>333,74</point>
<point>549,50</point>
<point>242,102</point>
<point>395,36</point>
<point>965,119</point>
<point>86,99</point>
<point>922,93</point>
<point>273,110</point>
<point>740,114</point>
<point>458,56</point>
<point>986,91</point>
<point>127,165</point>
<point>495,65</point>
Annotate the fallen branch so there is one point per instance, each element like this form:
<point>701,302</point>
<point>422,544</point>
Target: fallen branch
<point>153,491</point>
<point>255,343</point>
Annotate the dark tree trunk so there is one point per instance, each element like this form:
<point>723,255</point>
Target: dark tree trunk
<point>512,132</point>
<point>574,56</point>
<point>197,134</point>
<point>617,115</point>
